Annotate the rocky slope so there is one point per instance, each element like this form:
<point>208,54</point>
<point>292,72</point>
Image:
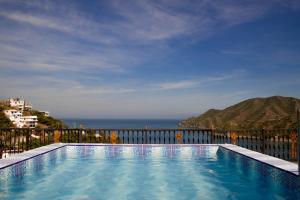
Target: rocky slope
<point>272,112</point>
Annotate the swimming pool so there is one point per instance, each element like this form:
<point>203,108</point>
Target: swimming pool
<point>145,172</point>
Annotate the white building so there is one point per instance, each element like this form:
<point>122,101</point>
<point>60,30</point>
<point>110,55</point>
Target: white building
<point>17,102</point>
<point>20,121</point>
<point>28,121</point>
<point>13,115</point>
<point>20,104</point>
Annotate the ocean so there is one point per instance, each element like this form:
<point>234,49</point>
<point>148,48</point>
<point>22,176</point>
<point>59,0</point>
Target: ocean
<point>122,123</point>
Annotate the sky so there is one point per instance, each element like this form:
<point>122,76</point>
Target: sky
<point>147,59</point>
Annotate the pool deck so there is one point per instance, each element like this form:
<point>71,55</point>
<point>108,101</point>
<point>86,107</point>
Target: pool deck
<point>275,162</point>
<point>16,158</point>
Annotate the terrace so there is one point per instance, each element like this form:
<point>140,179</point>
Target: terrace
<point>280,143</point>
<point>254,156</point>
<point>146,171</point>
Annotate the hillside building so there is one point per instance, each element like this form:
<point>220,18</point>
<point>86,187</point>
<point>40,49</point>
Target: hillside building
<point>20,121</point>
<point>15,114</point>
<point>28,121</point>
<point>17,103</point>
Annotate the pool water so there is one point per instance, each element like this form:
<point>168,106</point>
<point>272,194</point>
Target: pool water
<point>145,172</point>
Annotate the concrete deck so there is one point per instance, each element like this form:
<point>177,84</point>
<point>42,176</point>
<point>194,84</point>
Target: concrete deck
<point>5,162</point>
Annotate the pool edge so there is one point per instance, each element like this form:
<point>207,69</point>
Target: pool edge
<point>266,159</point>
<point>26,155</point>
<point>263,158</point>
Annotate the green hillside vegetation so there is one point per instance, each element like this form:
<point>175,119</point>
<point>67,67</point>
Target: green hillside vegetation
<point>43,121</point>
<point>269,113</point>
<point>49,122</point>
<point>4,121</point>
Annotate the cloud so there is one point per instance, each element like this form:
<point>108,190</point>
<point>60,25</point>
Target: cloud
<point>36,21</point>
<point>151,22</point>
<point>199,82</point>
<point>68,38</point>
<point>57,52</point>
<point>46,85</point>
<point>35,52</point>
<point>178,85</point>
<point>140,21</point>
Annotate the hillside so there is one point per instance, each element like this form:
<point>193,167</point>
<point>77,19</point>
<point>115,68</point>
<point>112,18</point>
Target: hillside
<point>47,122</point>
<point>43,121</point>
<point>4,121</point>
<point>272,112</point>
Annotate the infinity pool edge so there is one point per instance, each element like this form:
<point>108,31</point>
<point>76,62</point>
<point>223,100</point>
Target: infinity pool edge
<point>269,160</point>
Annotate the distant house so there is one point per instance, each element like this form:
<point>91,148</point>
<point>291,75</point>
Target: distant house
<point>29,121</point>
<point>13,115</point>
<point>17,103</point>
<point>16,115</point>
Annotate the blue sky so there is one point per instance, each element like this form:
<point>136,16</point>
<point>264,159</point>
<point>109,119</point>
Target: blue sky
<point>147,59</point>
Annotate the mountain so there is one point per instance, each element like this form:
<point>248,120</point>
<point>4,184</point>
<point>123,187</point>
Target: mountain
<point>270,113</point>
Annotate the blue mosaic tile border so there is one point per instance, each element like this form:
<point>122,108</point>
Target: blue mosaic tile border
<point>145,151</point>
<point>17,158</point>
<point>263,158</point>
<point>274,162</point>
<point>289,180</point>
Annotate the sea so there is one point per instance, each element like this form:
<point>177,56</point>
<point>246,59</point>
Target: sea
<point>122,123</point>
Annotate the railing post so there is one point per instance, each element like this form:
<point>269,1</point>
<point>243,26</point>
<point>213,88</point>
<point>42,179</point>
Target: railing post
<point>79,135</point>
<point>212,136</point>
<point>27,139</point>
<point>298,139</point>
<point>61,134</point>
<point>262,141</point>
<point>146,131</point>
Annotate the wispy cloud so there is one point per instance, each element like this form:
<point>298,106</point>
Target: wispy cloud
<point>68,87</point>
<point>178,85</point>
<point>116,41</point>
<point>152,22</point>
<point>61,51</point>
<point>197,82</point>
<point>36,21</point>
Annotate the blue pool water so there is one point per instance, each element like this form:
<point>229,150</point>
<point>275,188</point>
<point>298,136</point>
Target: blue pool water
<point>145,172</point>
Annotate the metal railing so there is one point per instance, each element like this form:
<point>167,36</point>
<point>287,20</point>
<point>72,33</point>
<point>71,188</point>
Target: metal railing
<point>281,143</point>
